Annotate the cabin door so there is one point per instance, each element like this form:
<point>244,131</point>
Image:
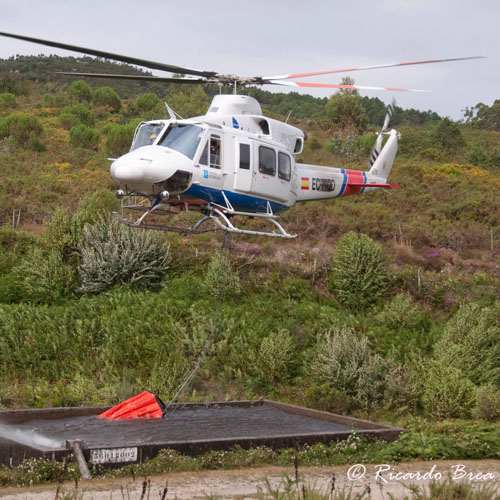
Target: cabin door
<point>243,166</point>
<point>271,173</point>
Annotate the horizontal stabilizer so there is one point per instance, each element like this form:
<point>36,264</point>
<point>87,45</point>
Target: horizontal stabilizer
<point>362,184</point>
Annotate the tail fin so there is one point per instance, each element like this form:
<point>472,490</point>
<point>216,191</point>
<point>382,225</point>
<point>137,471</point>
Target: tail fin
<point>383,164</point>
<point>381,158</point>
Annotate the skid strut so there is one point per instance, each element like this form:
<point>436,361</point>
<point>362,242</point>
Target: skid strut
<point>219,214</point>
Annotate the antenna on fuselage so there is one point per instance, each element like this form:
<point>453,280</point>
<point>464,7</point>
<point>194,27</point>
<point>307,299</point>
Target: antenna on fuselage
<point>172,114</point>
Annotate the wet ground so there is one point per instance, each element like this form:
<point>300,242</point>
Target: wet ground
<point>178,426</point>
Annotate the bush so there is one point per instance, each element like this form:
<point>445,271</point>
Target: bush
<point>400,313</point>
<point>168,374</point>
<point>148,102</point>
<point>76,114</point>
<point>80,91</point>
<point>84,137</point>
<point>221,282</point>
<point>275,359</point>
<point>448,135</point>
<point>20,126</point>
<point>487,403</point>
<point>106,96</point>
<point>113,253</point>
<point>49,100</point>
<point>68,120</point>
<point>34,143</point>
<point>119,138</point>
<point>447,392</point>
<point>7,101</point>
<point>358,277</point>
<point>325,398</point>
<point>471,344</point>
<point>344,361</point>
<point>42,276</point>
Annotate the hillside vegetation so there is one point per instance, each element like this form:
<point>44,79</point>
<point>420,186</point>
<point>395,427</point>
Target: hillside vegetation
<point>386,305</point>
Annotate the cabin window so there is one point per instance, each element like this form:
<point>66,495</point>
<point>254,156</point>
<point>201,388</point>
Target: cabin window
<point>146,134</point>
<point>183,139</point>
<point>204,155</point>
<point>267,160</point>
<point>299,144</point>
<point>245,156</point>
<point>284,166</point>
<point>215,151</point>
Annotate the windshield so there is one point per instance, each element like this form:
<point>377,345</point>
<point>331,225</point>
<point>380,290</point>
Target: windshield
<point>146,134</point>
<point>182,138</point>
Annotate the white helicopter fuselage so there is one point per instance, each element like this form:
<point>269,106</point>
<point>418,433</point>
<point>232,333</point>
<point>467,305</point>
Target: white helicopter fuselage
<point>234,154</point>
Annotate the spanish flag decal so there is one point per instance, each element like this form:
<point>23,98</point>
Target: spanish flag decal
<point>304,183</point>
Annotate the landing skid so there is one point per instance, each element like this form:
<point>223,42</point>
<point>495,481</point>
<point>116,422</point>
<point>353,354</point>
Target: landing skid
<point>176,229</point>
<point>219,214</point>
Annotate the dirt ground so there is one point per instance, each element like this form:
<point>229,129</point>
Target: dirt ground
<point>375,481</point>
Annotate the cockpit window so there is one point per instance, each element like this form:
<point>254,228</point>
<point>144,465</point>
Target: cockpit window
<point>146,134</point>
<point>182,138</point>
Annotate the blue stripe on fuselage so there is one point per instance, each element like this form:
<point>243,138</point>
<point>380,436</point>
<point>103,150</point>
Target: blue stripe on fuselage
<point>240,202</point>
<point>364,181</point>
<point>344,183</point>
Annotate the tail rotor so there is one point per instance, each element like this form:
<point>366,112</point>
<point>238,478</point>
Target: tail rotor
<point>375,151</point>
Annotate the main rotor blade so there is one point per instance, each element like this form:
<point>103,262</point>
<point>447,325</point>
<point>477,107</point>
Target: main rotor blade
<point>147,78</point>
<point>362,68</point>
<point>333,86</point>
<point>116,57</point>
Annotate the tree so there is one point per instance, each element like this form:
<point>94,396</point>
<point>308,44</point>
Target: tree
<point>106,96</point>
<point>345,111</point>
<point>483,116</point>
<point>187,100</point>
<point>80,91</point>
<point>358,276</point>
<point>448,135</point>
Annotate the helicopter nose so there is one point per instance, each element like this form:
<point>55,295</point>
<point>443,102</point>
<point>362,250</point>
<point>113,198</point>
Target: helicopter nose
<point>127,171</point>
<point>127,174</point>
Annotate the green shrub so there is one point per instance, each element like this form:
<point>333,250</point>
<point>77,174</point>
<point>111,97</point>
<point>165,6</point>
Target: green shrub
<point>106,96</point>
<point>448,136</point>
<point>84,137</point>
<point>49,100</point>
<point>447,392</point>
<point>326,398</point>
<point>471,344</point>
<point>345,362</point>
<point>487,403</point>
<point>76,114</point>
<point>20,126</point>
<point>403,389</point>
<point>400,313</point>
<point>366,143</point>
<point>68,120</point>
<point>221,282</point>
<point>169,371</point>
<point>119,138</point>
<point>42,277</point>
<point>10,291</point>
<point>276,358</point>
<point>148,102</point>
<point>91,209</point>
<point>34,143</point>
<point>358,276</point>
<point>7,101</point>
<point>80,91</point>
<point>113,254</point>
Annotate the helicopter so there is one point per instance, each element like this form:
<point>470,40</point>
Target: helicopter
<point>233,161</point>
